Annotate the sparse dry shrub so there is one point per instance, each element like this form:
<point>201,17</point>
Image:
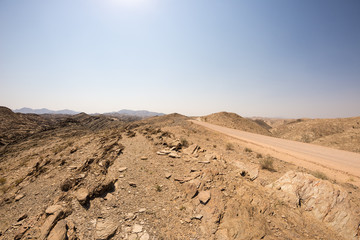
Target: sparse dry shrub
<point>2,181</point>
<point>184,142</point>
<point>249,150</point>
<point>320,175</point>
<point>267,164</point>
<point>259,155</point>
<point>230,147</point>
<point>18,181</point>
<point>158,188</point>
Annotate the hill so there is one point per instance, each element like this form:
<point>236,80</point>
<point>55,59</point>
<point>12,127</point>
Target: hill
<point>15,126</point>
<point>232,120</point>
<point>340,133</point>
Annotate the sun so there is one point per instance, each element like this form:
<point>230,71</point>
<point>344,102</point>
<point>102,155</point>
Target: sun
<point>130,3</point>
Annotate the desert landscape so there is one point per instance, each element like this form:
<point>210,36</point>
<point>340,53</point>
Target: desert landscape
<point>166,177</point>
<point>179,120</point>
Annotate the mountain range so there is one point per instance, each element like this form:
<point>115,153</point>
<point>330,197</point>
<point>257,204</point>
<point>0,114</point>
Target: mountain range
<point>45,111</point>
<point>140,113</point>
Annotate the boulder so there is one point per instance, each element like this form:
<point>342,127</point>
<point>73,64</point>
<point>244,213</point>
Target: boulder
<point>53,208</point>
<point>49,223</point>
<point>174,155</point>
<point>137,228</point>
<point>82,195</point>
<point>204,197</point>
<point>105,229</point>
<point>191,188</point>
<point>59,232</point>
<point>328,202</point>
<point>193,149</point>
<point>122,169</point>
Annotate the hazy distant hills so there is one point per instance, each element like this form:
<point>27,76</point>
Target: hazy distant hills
<point>45,111</point>
<point>124,112</point>
<point>140,113</point>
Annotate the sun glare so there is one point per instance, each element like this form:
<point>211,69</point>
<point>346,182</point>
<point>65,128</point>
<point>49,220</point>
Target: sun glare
<point>130,3</point>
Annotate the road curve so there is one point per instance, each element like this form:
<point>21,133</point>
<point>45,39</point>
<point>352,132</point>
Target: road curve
<point>347,162</point>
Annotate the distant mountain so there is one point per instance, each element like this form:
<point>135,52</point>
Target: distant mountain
<point>141,113</point>
<point>45,111</point>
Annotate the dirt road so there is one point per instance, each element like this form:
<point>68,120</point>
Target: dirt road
<point>302,154</point>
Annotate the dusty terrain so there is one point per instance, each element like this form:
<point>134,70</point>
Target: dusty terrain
<point>161,178</point>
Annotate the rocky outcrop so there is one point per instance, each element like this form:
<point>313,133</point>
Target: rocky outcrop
<point>327,202</point>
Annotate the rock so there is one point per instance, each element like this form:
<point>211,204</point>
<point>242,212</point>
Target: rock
<point>133,236</point>
<point>167,175</point>
<point>250,171</point>
<point>130,216</point>
<point>193,149</point>
<point>183,179</point>
<point>326,201</point>
<point>102,188</point>
<point>22,217</point>
<point>53,208</point>
<point>210,157</point>
<point>191,188</point>
<point>197,216</point>
<point>204,161</point>
<point>19,196</point>
<point>204,197</point>
<point>82,195</point>
<point>143,158</point>
<point>141,210</point>
<point>174,155</point>
<point>59,232</point>
<point>49,223</point>
<point>122,169</point>
<point>163,152</point>
<point>105,229</point>
<point>137,228</point>
<point>145,236</point>
<point>132,184</point>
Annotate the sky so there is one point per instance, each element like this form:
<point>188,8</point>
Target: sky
<point>265,58</point>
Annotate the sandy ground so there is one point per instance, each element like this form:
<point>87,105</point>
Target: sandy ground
<point>337,164</point>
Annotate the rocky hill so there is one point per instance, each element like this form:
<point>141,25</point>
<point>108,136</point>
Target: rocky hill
<point>340,133</point>
<point>17,126</point>
<point>162,178</point>
<point>232,120</point>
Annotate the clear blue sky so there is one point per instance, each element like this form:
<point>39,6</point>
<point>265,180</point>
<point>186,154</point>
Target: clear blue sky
<point>256,58</point>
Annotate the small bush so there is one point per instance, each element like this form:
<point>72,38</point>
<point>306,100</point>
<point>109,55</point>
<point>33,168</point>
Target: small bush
<point>259,155</point>
<point>248,150</point>
<point>2,181</point>
<point>158,188</point>
<point>184,142</point>
<point>320,175</point>
<point>18,181</point>
<point>229,147</point>
<point>267,164</point>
